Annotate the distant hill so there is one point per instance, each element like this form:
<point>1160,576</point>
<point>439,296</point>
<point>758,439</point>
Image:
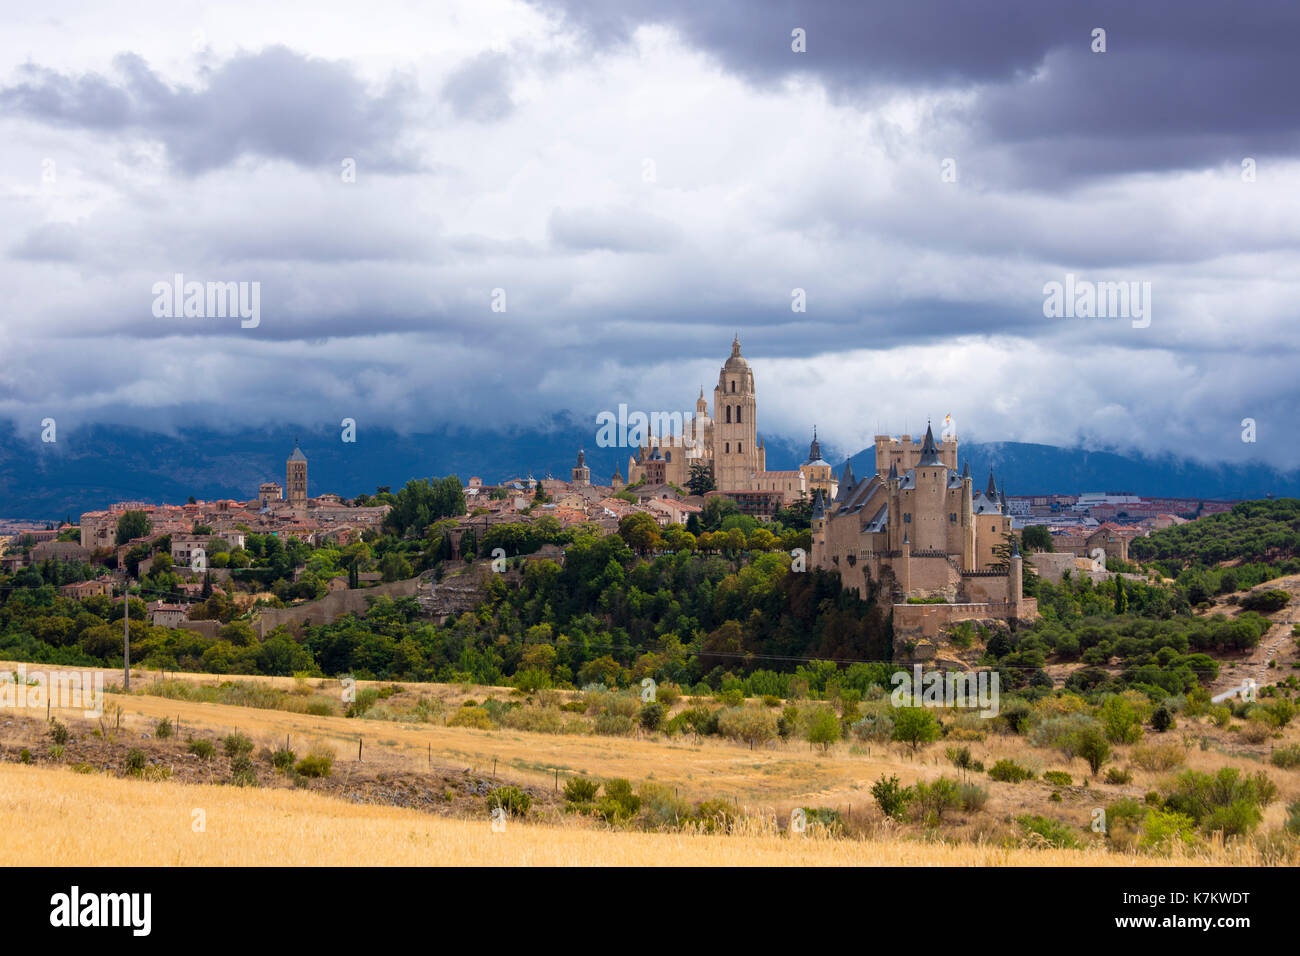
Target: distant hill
<point>1025,469</point>
<point>92,467</point>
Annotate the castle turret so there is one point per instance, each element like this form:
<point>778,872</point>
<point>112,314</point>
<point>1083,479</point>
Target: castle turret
<point>581,473</point>
<point>295,478</point>
<point>1015,580</point>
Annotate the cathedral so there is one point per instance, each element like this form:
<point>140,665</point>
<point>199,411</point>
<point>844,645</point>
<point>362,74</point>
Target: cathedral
<point>727,443</point>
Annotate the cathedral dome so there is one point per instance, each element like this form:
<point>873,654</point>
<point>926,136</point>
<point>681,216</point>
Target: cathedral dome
<point>737,361</point>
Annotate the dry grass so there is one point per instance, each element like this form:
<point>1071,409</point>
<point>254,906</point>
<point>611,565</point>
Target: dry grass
<point>57,817</point>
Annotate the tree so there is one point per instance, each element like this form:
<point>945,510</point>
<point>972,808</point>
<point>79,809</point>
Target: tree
<point>640,531</point>
<point>701,481</point>
<point>1092,747</point>
<point>1121,598</point>
<point>822,727</point>
<point>132,524</point>
<point>715,510</point>
<point>394,567</point>
<point>915,726</point>
<point>1036,537</point>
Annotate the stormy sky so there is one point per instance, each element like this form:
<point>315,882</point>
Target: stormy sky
<point>642,180</point>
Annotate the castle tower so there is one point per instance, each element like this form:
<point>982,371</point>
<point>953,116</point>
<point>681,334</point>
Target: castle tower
<point>581,473</point>
<point>967,520</point>
<point>818,530</point>
<point>295,478</point>
<point>616,482</point>
<point>1015,580</point>
<point>735,431</point>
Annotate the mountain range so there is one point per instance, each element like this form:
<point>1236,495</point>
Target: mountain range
<point>94,466</point>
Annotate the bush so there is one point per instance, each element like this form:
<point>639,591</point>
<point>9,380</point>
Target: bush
<point>25,756</point>
<point>1094,748</point>
<point>282,759</point>
<point>915,726</point>
<point>58,732</point>
<point>1049,832</point>
<point>164,729</point>
<point>651,715</point>
<point>1162,720</point>
<point>237,745</point>
<point>1265,602</point>
<point>1119,777</point>
<point>580,790</point>
<point>1120,720</point>
<point>614,725</point>
<point>318,763</point>
<point>136,760</point>
<point>1287,757</point>
<point>752,725</point>
<point>619,802</point>
<point>471,716</point>
<point>933,800</point>
<point>203,749</point>
<point>514,801</point>
<point>715,816</point>
<point>1163,827</point>
<point>1256,730</point>
<point>242,772</point>
<point>1008,771</point>
<point>1293,818</point>
<point>1158,758</point>
<point>821,726</point>
<point>891,797</point>
<point>874,727</point>
<point>1057,778</point>
<point>1227,801</point>
<point>972,797</point>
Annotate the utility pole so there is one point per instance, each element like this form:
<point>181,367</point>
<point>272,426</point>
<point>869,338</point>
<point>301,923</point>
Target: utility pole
<point>126,635</point>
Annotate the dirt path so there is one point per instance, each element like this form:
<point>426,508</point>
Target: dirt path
<point>1276,644</point>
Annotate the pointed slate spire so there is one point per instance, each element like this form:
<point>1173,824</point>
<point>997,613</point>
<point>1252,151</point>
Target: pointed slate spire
<point>1015,546</point>
<point>819,509</point>
<point>893,471</point>
<point>965,471</point>
<point>992,490</point>
<point>929,453</point>
<point>847,481</point>
<point>815,449</point>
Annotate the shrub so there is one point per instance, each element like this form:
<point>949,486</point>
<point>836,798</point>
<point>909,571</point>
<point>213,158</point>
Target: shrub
<point>1094,748</point>
<point>164,729</point>
<point>1293,818</point>
<point>1158,758</point>
<point>1119,777</point>
<point>934,799</point>
<point>753,725</point>
<point>514,801</point>
<point>1048,832</point>
<point>730,698</point>
<point>203,749</point>
<point>715,816</point>
<point>1125,812</point>
<point>282,759</point>
<point>1265,602</point>
<point>237,745</point>
<point>891,797</point>
<point>25,756</point>
<point>878,727</point>
<point>1008,771</point>
<point>619,802</point>
<point>539,720</point>
<point>1227,801</point>
<point>1057,778</point>
<point>136,760</point>
<point>1162,828</point>
<point>614,725</point>
<point>1162,720</point>
<point>473,716</point>
<point>1120,720</point>
<point>59,733</point>
<point>318,763</point>
<point>1256,730</point>
<point>580,790</point>
<point>1287,757</point>
<point>972,797</point>
<point>651,715</point>
<point>661,809</point>
<point>242,772</point>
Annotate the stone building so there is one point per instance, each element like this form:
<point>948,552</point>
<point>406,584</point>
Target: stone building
<point>295,478</point>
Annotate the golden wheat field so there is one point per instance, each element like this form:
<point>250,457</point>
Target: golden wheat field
<point>58,817</point>
<point>54,814</point>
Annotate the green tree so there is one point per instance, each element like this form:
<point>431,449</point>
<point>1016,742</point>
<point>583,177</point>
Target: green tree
<point>132,524</point>
<point>915,726</point>
<point>701,481</point>
<point>1036,537</point>
<point>1121,598</point>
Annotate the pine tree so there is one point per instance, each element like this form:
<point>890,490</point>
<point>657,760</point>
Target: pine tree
<point>1121,598</point>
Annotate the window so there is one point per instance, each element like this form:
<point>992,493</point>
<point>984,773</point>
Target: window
<point>738,414</point>
<point>952,516</point>
<point>739,450</point>
<point>733,386</point>
<point>728,414</point>
<point>907,518</point>
<point>728,448</point>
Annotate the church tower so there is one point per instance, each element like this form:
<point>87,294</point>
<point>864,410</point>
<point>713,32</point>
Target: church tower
<point>735,431</point>
<point>581,473</point>
<point>295,478</point>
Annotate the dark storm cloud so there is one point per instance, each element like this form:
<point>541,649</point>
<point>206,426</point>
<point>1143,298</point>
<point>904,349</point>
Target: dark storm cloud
<point>275,103</point>
<point>1182,84</point>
